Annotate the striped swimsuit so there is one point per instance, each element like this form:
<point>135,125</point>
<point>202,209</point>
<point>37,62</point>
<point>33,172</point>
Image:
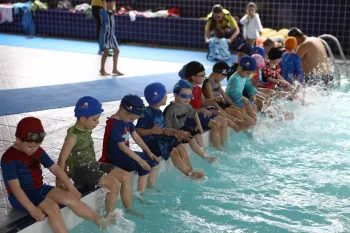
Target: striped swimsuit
<point>108,39</point>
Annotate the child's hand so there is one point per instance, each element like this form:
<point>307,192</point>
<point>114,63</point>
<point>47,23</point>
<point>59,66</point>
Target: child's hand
<point>60,185</point>
<point>144,164</point>
<point>207,41</point>
<point>178,135</point>
<point>186,136</point>
<point>206,113</point>
<point>253,98</point>
<point>37,214</point>
<point>245,100</point>
<point>157,129</point>
<point>200,129</point>
<point>153,157</point>
<point>219,99</point>
<point>75,192</point>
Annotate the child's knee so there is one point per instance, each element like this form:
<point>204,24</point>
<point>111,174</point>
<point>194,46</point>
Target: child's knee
<point>222,121</point>
<point>214,124</point>
<point>50,207</point>
<point>69,199</point>
<point>113,185</point>
<point>125,177</point>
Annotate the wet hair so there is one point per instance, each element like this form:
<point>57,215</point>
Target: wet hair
<point>252,4</point>
<point>295,32</point>
<point>219,33</point>
<point>216,10</point>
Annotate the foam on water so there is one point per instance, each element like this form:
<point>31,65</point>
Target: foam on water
<point>283,177</point>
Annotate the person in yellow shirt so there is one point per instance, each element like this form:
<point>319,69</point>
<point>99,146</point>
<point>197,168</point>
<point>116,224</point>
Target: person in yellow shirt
<point>96,6</point>
<point>221,19</point>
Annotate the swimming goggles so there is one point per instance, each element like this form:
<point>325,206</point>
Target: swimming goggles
<point>185,96</point>
<point>34,137</point>
<point>224,71</point>
<point>130,107</point>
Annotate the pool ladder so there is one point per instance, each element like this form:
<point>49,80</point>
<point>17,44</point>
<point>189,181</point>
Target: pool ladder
<point>333,61</point>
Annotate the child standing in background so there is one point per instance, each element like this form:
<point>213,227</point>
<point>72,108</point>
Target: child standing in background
<point>108,39</point>
<point>251,24</point>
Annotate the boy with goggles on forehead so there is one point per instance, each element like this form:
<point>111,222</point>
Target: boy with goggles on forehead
<point>23,179</point>
<point>176,114</point>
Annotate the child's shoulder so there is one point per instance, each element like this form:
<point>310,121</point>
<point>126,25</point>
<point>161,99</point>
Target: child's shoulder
<point>12,154</point>
<point>170,106</point>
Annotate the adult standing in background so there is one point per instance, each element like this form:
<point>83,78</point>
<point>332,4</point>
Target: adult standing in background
<point>221,19</point>
<point>96,6</point>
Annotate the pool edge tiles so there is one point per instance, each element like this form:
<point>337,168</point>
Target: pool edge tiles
<point>90,199</point>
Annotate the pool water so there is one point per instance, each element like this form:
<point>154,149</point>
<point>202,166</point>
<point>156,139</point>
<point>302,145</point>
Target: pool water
<point>281,177</point>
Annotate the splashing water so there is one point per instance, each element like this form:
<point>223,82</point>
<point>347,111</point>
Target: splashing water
<point>291,176</point>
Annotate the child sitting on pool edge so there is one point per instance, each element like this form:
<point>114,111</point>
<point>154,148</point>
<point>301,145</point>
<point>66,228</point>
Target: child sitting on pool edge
<point>22,175</point>
<point>161,140</point>
<point>116,148</point>
<point>239,82</point>
<point>176,114</point>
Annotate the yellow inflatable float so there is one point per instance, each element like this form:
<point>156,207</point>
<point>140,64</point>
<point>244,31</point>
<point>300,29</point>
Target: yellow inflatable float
<point>269,33</point>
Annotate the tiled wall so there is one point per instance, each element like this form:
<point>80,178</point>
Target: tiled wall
<point>314,17</point>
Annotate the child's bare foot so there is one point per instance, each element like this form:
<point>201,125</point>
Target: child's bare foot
<point>116,72</point>
<point>110,219</point>
<point>103,72</point>
<point>141,199</point>
<point>134,213</point>
<point>211,159</point>
<point>288,116</point>
<point>196,175</point>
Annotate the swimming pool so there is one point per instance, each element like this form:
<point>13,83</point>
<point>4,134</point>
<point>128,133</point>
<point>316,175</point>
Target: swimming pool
<point>282,177</point>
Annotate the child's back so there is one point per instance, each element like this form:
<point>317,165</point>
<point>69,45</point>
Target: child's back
<point>291,68</point>
<point>219,49</point>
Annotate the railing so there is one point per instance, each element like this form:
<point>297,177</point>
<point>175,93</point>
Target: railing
<point>333,61</point>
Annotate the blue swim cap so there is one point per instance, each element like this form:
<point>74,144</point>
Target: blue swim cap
<point>87,106</point>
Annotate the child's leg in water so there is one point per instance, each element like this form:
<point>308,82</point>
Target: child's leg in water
<point>113,187</point>
<point>115,61</point>
<point>250,111</point>
<point>247,119</point>
<point>152,177</point>
<point>124,178</point>
<point>61,197</point>
<point>103,62</point>
<point>231,120</point>
<point>215,133</point>
<point>182,162</point>
<point>197,148</point>
<point>52,210</point>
